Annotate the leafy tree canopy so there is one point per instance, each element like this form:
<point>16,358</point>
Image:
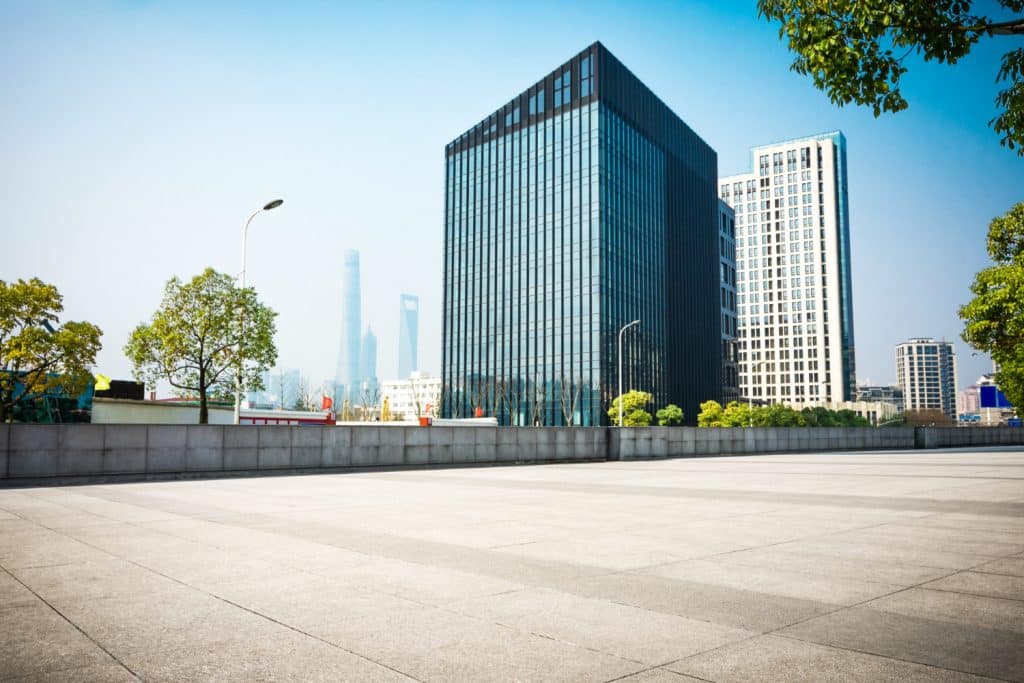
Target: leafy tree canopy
<point>775,415</point>
<point>633,413</point>
<point>855,49</point>
<point>36,354</point>
<point>670,416</point>
<point>994,319</point>
<point>204,334</point>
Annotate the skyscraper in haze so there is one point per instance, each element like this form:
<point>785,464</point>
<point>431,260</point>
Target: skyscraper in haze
<point>347,377</point>
<point>368,363</point>
<point>408,330</point>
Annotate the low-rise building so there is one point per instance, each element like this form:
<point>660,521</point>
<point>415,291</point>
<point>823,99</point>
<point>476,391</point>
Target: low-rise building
<point>413,397</point>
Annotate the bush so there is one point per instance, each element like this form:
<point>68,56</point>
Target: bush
<point>633,413</point>
<point>670,416</point>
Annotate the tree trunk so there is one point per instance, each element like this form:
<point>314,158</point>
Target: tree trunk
<point>204,416</point>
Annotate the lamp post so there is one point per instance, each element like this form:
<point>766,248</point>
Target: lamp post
<point>624,328</point>
<point>245,234</point>
<point>750,395</point>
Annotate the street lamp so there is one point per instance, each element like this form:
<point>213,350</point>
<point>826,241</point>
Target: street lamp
<point>626,327</point>
<point>245,234</point>
<point>750,393</point>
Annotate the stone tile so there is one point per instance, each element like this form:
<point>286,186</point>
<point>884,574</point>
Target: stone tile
<point>628,632</point>
<point>658,675</point>
<point>86,580</point>
<point>802,585</point>
<point>819,563</point>
<point>432,644</point>
<point>35,639</point>
<point>957,646</point>
<point>13,593</point>
<point>992,585</point>
<point>102,673</point>
<point>169,620</point>
<point>284,656</point>
<point>1008,566</point>
<point>736,608</point>
<point>771,658</point>
<point>992,613</point>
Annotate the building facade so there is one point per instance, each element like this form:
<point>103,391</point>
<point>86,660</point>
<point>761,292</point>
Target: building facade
<point>926,370</point>
<point>347,378</point>
<point>891,394</point>
<point>727,296</point>
<point>413,396</point>
<point>408,335</point>
<point>581,205</point>
<point>796,342</point>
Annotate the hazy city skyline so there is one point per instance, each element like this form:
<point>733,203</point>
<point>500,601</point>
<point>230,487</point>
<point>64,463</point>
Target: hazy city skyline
<point>125,165</point>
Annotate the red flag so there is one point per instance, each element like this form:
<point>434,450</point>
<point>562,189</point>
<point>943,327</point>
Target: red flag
<point>326,403</point>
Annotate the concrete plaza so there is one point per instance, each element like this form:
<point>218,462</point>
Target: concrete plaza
<point>840,566</point>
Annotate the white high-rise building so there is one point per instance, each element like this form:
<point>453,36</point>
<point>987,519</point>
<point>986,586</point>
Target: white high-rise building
<point>793,279</point>
<point>926,369</point>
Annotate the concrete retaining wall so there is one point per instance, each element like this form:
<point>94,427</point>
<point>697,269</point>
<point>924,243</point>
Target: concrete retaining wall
<point>950,437</point>
<point>673,442</point>
<point>29,452</point>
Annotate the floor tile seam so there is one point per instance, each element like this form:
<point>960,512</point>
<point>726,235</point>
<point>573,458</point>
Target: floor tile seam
<point>653,668</point>
<point>20,677</point>
<point>224,600</point>
<point>980,570</point>
<point>315,637</point>
<point>72,510</point>
<point>786,542</point>
<point>805,572</point>
<point>859,501</point>
<point>570,643</point>
<point>897,659</point>
<point>75,626</point>
<point>969,593</point>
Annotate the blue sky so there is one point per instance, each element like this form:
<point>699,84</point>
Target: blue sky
<point>136,136</point>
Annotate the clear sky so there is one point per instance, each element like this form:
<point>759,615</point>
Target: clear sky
<point>136,136</point>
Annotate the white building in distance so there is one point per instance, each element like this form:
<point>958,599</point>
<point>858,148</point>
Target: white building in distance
<point>409,398</point>
<point>926,369</point>
<point>793,278</point>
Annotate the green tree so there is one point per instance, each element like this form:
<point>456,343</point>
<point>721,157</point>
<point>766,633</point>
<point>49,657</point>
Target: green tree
<point>204,334</point>
<point>735,414</point>
<point>994,319</point>
<point>855,49</point>
<point>710,415</point>
<point>36,354</point>
<point>633,413</point>
<point>670,416</point>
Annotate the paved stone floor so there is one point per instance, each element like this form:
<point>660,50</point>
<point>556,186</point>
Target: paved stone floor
<point>870,566</point>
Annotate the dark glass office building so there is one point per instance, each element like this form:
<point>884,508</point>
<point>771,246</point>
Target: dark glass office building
<point>581,205</point>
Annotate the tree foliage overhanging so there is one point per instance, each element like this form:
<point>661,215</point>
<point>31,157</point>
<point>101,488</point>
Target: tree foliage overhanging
<point>205,332</point>
<point>994,319</point>
<point>737,414</point>
<point>37,355</point>
<point>855,49</point>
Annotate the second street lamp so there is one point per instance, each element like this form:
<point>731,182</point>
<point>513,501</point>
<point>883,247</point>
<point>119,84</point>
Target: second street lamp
<point>624,328</point>
<point>245,234</point>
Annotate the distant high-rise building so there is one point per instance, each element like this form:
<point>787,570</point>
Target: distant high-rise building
<point>793,272</point>
<point>348,356</point>
<point>727,299</point>
<point>926,370</point>
<point>408,333</point>
<point>368,365</point>
<point>581,205</point>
